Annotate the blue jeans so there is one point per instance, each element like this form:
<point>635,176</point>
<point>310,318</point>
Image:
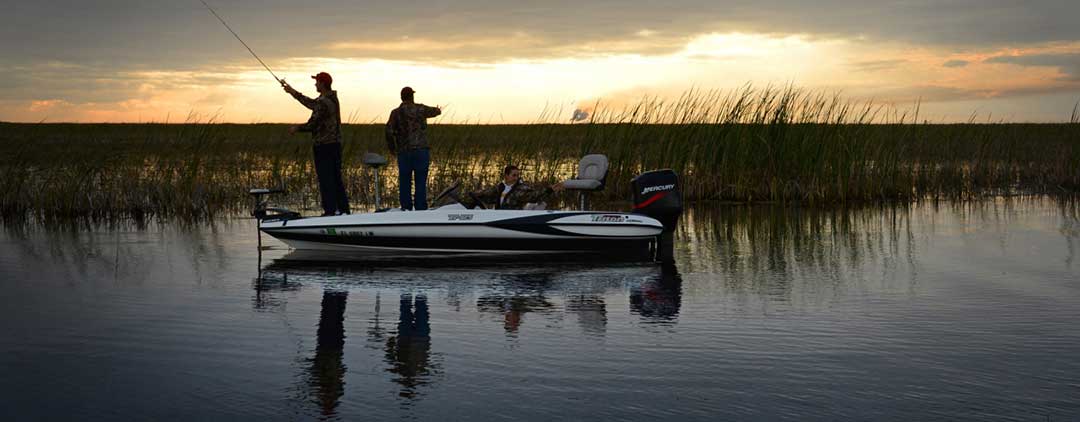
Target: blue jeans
<point>409,163</point>
<point>331,187</point>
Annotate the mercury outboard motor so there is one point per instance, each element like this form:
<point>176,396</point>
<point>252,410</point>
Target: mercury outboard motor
<point>656,194</point>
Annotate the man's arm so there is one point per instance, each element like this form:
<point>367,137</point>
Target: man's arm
<point>430,112</point>
<point>319,112</point>
<point>527,194</point>
<point>303,99</point>
<point>488,196</point>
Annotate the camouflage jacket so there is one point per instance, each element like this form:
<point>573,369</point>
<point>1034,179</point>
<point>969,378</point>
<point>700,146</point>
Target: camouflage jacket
<point>325,121</point>
<point>520,195</point>
<point>407,127</point>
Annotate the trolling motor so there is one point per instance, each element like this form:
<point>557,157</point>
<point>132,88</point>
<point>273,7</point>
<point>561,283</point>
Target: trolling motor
<point>264,212</point>
<point>657,195</point>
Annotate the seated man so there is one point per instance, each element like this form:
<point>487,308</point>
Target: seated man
<point>512,193</point>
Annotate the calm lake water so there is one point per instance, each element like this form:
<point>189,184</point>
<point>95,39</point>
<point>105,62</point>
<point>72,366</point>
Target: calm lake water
<point>928,312</point>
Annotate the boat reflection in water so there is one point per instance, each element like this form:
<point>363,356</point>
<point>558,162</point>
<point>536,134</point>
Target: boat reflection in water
<point>511,290</point>
<point>658,300</point>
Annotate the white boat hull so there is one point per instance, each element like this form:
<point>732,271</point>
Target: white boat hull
<point>462,230</point>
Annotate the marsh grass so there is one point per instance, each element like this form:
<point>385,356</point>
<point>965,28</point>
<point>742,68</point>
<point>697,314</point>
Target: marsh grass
<point>748,145</point>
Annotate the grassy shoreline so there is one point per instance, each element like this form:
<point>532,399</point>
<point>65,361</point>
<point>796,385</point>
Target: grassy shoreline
<point>772,152</point>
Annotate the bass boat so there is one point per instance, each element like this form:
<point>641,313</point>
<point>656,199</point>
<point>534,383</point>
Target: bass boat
<point>454,228</point>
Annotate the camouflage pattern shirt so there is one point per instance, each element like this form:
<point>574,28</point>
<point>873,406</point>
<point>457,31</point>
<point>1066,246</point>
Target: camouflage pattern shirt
<point>520,195</point>
<point>325,121</point>
<point>407,127</point>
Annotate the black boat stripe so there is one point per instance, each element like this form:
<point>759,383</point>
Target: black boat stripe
<point>536,224</point>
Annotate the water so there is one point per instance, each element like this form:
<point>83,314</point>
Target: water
<point>947,312</point>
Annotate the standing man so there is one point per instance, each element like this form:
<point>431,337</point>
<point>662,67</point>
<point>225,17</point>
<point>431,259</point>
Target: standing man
<point>325,128</point>
<point>406,136</point>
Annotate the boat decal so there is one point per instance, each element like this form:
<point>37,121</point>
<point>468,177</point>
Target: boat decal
<point>657,188</point>
<point>651,199</point>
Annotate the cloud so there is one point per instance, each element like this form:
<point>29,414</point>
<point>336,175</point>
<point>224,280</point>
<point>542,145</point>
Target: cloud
<point>1037,59</point>
<point>877,65</point>
<point>78,83</point>
<point>46,105</point>
<point>113,51</point>
<point>178,35</point>
<point>942,93</point>
<point>1068,63</point>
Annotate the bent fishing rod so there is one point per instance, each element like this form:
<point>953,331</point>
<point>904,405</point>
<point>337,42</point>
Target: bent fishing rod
<point>211,9</point>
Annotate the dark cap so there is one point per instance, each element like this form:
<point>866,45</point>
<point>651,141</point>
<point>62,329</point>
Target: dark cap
<point>408,90</point>
<point>323,77</point>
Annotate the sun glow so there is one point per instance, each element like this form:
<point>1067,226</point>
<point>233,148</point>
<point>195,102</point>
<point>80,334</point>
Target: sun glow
<point>517,90</point>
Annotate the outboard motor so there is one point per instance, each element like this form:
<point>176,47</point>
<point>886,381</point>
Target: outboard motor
<point>656,195</point>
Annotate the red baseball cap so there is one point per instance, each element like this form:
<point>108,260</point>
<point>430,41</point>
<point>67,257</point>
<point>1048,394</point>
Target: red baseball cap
<point>323,77</point>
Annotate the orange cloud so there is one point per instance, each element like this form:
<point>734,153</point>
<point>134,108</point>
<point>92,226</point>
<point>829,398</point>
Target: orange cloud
<point>46,105</point>
<point>615,72</point>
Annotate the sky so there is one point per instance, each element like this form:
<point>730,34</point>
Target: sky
<point>496,61</point>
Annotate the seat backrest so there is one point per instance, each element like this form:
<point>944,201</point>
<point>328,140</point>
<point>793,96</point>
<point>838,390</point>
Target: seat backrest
<point>593,166</point>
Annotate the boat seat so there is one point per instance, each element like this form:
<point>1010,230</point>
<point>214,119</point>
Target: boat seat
<point>592,170</point>
<point>373,160</point>
<point>582,184</point>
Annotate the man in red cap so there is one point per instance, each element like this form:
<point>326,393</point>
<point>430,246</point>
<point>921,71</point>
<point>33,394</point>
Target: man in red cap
<point>406,136</point>
<point>325,128</point>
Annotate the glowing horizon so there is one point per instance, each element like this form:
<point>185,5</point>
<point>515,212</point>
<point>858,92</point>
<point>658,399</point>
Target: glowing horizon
<point>515,75</point>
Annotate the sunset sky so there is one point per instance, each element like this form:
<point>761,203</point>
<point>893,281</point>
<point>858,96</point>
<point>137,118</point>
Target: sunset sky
<point>505,62</point>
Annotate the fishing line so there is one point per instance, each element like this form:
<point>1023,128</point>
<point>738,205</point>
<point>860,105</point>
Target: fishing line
<point>211,9</point>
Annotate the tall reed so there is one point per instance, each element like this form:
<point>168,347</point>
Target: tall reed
<point>747,145</point>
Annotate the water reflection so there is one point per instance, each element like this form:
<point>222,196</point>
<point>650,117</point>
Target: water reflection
<point>791,256</point>
<point>658,300</point>
<point>916,291</point>
<point>787,256</point>
<point>409,352</point>
<point>268,286</point>
<point>518,295</point>
<point>591,312</point>
<point>513,307</point>
<point>514,294</point>
<point>327,371</point>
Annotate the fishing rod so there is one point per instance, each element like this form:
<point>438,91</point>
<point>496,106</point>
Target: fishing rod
<point>211,9</point>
